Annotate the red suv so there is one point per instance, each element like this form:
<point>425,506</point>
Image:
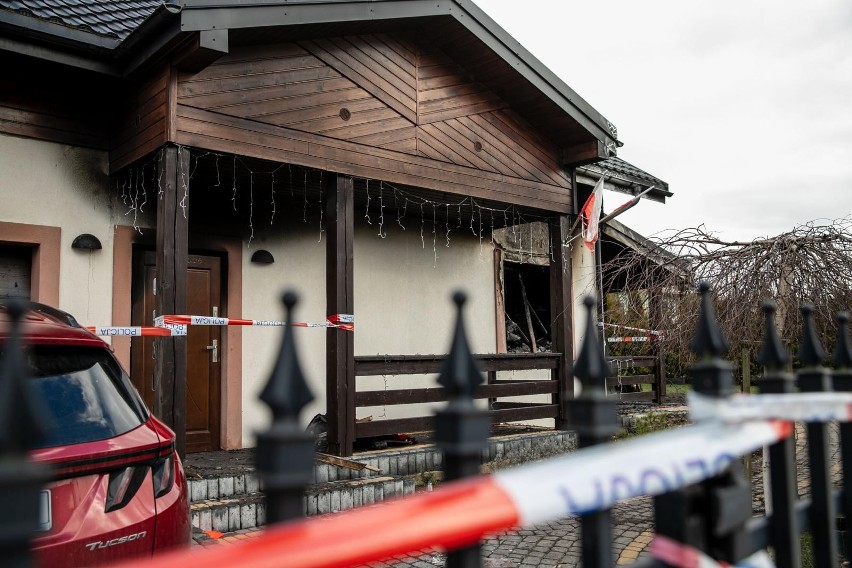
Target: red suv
<point>117,487</point>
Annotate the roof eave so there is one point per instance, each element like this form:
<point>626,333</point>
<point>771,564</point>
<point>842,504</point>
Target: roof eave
<point>38,38</point>
<point>624,183</point>
<point>34,37</point>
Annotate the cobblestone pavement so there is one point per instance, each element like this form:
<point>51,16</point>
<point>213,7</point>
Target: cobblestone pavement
<point>557,544</point>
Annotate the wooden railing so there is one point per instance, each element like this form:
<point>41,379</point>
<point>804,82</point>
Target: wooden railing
<point>395,365</point>
<point>641,370</point>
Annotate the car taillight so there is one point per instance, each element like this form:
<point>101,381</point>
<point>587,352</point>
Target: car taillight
<point>164,475</point>
<point>123,485</point>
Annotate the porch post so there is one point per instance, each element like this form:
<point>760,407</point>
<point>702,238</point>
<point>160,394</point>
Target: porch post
<point>561,315</point>
<point>340,344</point>
<point>172,251</point>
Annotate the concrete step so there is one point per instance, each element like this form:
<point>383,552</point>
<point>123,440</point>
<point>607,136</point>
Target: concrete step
<point>393,462</point>
<point>228,499</point>
<point>247,510</point>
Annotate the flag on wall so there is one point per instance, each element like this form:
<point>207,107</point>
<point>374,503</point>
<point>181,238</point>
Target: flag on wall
<point>591,214</point>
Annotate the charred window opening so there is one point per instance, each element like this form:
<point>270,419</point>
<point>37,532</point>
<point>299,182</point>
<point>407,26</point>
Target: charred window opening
<point>527,305</point>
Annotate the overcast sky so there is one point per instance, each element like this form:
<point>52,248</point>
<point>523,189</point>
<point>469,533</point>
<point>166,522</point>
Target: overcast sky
<point>744,108</point>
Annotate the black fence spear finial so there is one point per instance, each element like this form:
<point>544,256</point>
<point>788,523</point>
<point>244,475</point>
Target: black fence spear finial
<point>461,428</point>
<point>460,374</point>
<point>811,352</point>
<point>772,354</point>
<point>285,453</point>
<point>287,392</point>
<point>842,358</point>
<point>708,340</point>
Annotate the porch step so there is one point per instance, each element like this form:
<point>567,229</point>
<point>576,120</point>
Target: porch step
<point>247,509</point>
<point>226,495</point>
<point>226,474</point>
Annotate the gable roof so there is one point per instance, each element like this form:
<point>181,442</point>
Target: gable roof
<point>117,37</point>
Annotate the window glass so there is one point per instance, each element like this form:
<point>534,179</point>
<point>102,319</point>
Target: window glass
<point>85,392</point>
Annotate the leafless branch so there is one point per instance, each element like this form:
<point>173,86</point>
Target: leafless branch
<point>811,264</point>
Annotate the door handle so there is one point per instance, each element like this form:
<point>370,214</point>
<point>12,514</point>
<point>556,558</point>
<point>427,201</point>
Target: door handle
<point>215,349</point>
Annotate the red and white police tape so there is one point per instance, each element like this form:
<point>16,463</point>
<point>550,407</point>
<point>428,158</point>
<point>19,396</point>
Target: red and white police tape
<point>338,321</point>
<point>629,339</point>
<point>801,406</point>
<point>461,513</point>
<point>138,331</point>
<point>627,327</point>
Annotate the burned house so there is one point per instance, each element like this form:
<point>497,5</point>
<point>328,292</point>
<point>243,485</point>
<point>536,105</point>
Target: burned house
<point>362,153</point>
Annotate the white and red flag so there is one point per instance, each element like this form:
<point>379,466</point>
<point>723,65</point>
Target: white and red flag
<point>591,214</point>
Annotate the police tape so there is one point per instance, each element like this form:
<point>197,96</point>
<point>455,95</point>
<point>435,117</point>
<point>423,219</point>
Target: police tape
<point>683,556</point>
<point>629,339</point>
<point>801,406</point>
<point>461,513</point>
<point>629,328</point>
<point>139,331</point>
<point>596,478</point>
<point>335,321</point>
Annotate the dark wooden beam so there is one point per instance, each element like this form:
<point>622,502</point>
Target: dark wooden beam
<point>561,315</point>
<point>206,47</point>
<point>340,345</point>
<point>584,153</point>
<point>172,252</point>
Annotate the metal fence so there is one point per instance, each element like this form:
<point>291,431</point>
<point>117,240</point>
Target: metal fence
<point>702,501</point>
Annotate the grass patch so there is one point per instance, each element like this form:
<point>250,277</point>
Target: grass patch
<point>807,543</point>
<point>653,421</point>
<point>425,479</point>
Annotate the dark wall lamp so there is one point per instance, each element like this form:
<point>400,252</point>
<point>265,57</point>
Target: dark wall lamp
<point>262,257</point>
<point>86,242</point>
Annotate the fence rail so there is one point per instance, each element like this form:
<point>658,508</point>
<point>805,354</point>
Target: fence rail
<point>702,502</point>
<point>495,387</point>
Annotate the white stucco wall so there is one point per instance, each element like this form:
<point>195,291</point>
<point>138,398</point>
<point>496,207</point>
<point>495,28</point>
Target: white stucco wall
<point>43,183</point>
<point>584,274</point>
<point>402,305</point>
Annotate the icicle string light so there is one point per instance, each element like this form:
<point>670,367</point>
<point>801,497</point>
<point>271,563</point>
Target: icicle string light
<point>251,207</point>
<point>272,216</point>
<point>144,193</point>
<point>404,211</point>
<point>133,189</point>
<point>367,209</point>
<point>305,207</point>
<point>184,182</point>
<point>160,175</point>
<point>381,209</point>
<point>234,194</point>
<point>321,229</point>
<point>422,222</point>
<point>434,235</point>
<point>448,225</point>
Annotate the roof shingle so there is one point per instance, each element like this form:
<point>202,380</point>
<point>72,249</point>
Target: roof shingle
<point>109,18</point>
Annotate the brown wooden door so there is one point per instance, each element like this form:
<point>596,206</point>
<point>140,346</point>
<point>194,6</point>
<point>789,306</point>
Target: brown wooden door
<point>204,345</point>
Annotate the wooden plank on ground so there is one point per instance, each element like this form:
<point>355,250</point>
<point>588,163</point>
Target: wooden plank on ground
<point>345,463</point>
